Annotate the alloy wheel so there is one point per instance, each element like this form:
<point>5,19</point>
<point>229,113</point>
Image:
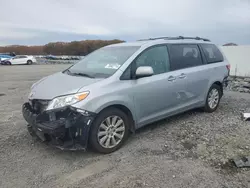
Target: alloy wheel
<point>213,98</point>
<point>111,132</point>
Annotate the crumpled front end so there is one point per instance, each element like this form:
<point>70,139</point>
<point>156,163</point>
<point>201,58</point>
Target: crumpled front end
<point>66,128</point>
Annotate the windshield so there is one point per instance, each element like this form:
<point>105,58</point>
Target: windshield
<point>102,63</point>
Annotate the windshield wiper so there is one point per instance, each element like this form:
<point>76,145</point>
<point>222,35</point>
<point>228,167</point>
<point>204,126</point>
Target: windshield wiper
<point>68,71</point>
<point>78,74</point>
<point>81,74</point>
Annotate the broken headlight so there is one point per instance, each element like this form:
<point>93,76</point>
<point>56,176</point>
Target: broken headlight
<point>67,100</point>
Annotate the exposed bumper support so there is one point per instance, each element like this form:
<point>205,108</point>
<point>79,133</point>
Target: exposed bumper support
<point>225,82</point>
<point>65,128</point>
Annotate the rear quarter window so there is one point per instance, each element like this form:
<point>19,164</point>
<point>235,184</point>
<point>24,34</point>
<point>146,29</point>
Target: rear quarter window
<point>212,53</point>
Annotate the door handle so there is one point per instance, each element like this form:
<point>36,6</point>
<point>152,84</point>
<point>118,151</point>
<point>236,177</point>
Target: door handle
<point>182,76</point>
<point>171,78</point>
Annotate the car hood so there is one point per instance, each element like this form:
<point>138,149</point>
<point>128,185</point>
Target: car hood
<point>6,58</point>
<point>59,84</point>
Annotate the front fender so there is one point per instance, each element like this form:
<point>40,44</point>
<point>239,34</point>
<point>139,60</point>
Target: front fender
<point>98,104</point>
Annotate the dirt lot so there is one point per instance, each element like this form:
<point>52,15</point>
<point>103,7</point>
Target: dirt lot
<point>188,150</point>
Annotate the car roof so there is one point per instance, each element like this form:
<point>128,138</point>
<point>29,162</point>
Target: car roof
<point>150,42</point>
<point>136,43</point>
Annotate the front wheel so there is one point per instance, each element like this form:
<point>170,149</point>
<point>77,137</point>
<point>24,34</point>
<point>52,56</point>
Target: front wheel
<point>109,130</point>
<point>213,98</point>
<point>29,62</point>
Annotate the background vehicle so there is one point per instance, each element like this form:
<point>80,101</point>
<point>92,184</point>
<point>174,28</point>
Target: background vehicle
<point>11,54</point>
<point>4,57</point>
<point>122,87</point>
<point>19,59</point>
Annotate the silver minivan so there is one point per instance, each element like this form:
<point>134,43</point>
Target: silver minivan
<point>122,87</point>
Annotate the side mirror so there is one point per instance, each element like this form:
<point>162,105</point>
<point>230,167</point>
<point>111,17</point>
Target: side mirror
<point>144,71</point>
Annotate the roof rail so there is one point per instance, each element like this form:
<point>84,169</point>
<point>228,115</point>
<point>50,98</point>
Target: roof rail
<point>177,38</point>
<point>153,38</point>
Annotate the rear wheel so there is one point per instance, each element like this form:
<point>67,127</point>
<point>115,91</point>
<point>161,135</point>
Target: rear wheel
<point>109,130</point>
<point>29,62</point>
<point>213,98</point>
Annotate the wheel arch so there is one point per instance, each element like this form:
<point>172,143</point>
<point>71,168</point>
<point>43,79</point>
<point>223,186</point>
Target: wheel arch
<point>124,109</point>
<point>219,84</point>
<point>29,60</point>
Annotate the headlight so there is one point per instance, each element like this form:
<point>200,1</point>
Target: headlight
<point>67,100</point>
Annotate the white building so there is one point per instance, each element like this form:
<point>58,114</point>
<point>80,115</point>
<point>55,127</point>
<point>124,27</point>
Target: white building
<point>239,59</point>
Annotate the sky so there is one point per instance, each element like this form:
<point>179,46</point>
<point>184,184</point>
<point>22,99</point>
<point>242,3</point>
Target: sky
<point>37,22</point>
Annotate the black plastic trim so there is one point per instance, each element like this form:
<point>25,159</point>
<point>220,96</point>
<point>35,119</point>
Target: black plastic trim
<point>69,132</point>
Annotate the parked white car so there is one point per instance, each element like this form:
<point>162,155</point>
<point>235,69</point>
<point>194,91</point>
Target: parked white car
<point>19,59</point>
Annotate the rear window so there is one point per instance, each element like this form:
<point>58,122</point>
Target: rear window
<point>212,53</point>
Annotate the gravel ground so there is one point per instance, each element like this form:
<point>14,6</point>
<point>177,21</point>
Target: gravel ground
<point>188,150</point>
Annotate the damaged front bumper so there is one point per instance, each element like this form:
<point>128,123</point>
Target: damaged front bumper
<point>66,128</point>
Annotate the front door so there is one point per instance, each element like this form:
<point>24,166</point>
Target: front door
<point>153,96</point>
<point>15,60</point>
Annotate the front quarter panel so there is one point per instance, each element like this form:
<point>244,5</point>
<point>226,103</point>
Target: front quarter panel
<point>107,93</point>
<point>97,104</point>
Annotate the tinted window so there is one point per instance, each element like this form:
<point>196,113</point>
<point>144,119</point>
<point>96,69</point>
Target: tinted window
<point>127,74</point>
<point>184,56</point>
<point>212,53</point>
<point>155,57</point>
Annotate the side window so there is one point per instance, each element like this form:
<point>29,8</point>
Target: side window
<point>156,57</point>
<point>212,53</point>
<point>16,57</point>
<point>184,56</point>
<point>127,74</point>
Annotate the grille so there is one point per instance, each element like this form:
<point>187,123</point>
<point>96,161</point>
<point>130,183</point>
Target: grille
<point>39,105</point>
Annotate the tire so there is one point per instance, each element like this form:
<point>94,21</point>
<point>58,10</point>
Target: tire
<point>211,108</point>
<point>8,63</point>
<point>29,62</point>
<point>100,122</point>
